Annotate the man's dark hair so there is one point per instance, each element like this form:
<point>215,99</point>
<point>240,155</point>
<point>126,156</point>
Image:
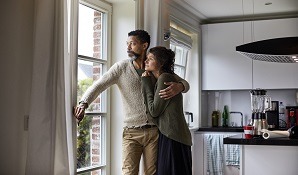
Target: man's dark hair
<point>142,35</point>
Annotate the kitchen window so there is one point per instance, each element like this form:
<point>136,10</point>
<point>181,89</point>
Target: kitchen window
<point>92,63</point>
<point>181,44</point>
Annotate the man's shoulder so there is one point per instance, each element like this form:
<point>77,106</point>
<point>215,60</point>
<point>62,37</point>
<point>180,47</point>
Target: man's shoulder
<point>124,63</point>
<point>121,64</point>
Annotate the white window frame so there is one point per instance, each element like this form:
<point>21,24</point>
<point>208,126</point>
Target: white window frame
<point>105,60</point>
<point>183,42</point>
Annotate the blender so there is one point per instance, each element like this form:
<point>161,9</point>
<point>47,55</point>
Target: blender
<point>260,103</point>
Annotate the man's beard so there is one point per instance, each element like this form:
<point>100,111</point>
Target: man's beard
<point>133,55</point>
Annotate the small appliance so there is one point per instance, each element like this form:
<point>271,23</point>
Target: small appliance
<point>292,119</point>
<point>260,103</point>
<point>272,116</point>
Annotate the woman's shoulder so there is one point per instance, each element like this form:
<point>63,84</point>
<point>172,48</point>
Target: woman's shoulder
<point>167,76</point>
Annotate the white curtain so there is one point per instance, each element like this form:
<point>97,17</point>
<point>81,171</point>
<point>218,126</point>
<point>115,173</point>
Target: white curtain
<point>50,138</point>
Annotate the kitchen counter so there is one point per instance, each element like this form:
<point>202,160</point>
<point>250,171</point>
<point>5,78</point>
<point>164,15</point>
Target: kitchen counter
<point>220,129</point>
<point>240,140</point>
<point>266,156</point>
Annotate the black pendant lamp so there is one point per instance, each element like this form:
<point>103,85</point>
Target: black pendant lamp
<point>283,50</point>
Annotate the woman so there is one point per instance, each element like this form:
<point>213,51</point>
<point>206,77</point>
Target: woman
<point>174,145</point>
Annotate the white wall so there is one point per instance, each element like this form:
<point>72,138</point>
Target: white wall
<point>187,21</point>
<point>15,70</point>
<point>123,19</point>
<point>239,100</point>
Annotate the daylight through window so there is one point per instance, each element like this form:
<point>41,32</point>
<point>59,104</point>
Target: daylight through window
<point>91,64</point>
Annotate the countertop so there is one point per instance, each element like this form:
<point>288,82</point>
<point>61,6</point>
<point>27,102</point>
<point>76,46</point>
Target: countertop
<point>220,129</point>
<point>240,140</point>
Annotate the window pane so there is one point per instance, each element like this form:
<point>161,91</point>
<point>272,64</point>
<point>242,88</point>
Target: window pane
<point>89,146</point>
<point>92,48</point>
<point>180,56</point>
<point>180,71</point>
<point>90,32</point>
<point>88,72</point>
<point>173,47</point>
<point>97,172</point>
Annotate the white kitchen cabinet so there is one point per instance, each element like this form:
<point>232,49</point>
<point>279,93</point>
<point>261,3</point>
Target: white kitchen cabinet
<point>225,69</point>
<point>198,154</point>
<point>222,67</point>
<point>268,75</point>
<point>269,160</point>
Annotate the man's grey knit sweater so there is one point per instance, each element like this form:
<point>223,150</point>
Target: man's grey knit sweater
<point>125,76</point>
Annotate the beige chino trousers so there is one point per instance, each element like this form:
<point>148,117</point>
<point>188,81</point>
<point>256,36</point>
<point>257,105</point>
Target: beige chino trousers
<point>138,142</point>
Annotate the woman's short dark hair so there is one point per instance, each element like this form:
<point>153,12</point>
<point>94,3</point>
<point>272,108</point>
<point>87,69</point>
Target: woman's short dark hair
<point>165,57</point>
<point>142,35</point>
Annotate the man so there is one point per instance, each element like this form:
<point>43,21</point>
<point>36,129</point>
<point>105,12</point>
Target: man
<point>140,135</point>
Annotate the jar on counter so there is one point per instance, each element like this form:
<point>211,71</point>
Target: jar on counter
<point>215,118</point>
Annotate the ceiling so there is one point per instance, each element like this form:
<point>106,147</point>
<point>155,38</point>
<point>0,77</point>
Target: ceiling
<point>214,11</point>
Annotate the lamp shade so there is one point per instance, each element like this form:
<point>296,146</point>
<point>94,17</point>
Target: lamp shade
<point>272,50</point>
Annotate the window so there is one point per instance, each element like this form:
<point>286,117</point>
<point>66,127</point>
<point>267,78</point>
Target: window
<point>181,44</point>
<point>180,59</point>
<point>93,27</point>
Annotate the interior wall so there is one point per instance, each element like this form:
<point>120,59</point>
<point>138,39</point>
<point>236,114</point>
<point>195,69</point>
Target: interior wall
<point>16,30</point>
<point>239,100</point>
<point>123,21</point>
<point>187,21</point>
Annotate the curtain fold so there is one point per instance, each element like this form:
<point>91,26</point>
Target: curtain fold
<point>50,138</point>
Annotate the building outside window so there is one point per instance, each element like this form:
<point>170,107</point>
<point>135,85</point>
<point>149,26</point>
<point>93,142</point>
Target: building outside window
<point>92,63</point>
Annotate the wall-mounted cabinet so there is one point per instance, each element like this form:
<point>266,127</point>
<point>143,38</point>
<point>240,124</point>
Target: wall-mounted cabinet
<point>225,69</point>
<point>222,67</point>
<point>275,75</point>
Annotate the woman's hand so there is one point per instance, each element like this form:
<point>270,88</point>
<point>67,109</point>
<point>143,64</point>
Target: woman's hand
<point>146,74</point>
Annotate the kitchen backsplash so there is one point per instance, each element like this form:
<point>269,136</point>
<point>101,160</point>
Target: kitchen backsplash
<point>239,100</point>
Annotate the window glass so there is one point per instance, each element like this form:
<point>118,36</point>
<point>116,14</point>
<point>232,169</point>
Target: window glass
<point>90,32</point>
<point>88,72</point>
<point>181,55</point>
<point>181,44</point>
<point>179,71</point>
<point>91,65</point>
<point>89,144</point>
<point>96,172</point>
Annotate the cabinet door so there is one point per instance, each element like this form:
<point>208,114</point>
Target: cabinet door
<point>198,155</point>
<point>275,75</point>
<point>222,67</point>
